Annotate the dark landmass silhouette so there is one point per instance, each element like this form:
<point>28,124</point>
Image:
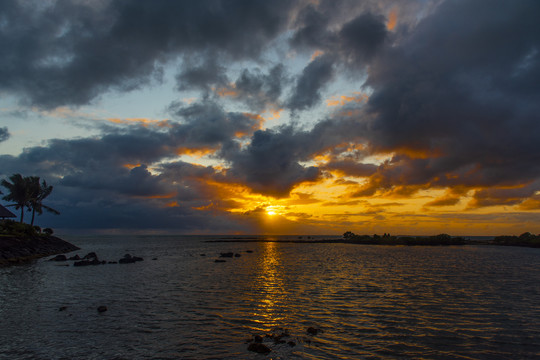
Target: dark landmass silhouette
<point>526,240</point>
<point>21,242</point>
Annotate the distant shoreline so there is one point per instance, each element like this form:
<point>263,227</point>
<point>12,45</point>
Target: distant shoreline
<point>396,241</point>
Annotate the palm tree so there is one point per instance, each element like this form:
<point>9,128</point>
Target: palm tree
<point>18,192</point>
<point>38,192</point>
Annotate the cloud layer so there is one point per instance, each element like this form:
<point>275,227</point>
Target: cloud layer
<point>435,97</point>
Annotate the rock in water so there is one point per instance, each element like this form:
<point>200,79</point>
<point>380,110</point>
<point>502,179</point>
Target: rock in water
<point>259,348</point>
<point>89,256</point>
<point>59,258</point>
<point>128,259</point>
<point>102,308</point>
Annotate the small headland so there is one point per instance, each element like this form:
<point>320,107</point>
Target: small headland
<point>20,243</point>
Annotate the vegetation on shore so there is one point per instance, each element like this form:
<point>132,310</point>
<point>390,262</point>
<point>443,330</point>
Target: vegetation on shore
<point>17,229</point>
<point>387,239</point>
<point>526,239</point>
<point>28,193</point>
<point>20,242</point>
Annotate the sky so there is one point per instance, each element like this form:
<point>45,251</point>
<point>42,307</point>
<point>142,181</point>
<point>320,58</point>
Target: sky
<point>275,117</point>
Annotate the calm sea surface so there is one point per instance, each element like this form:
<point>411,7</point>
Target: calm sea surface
<point>371,302</point>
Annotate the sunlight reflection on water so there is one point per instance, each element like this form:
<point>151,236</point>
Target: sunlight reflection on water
<point>369,301</point>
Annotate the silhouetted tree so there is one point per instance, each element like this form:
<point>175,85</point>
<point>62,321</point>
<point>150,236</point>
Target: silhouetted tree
<point>38,192</point>
<point>19,192</point>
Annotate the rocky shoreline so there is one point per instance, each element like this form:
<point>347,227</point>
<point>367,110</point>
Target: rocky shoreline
<point>20,249</point>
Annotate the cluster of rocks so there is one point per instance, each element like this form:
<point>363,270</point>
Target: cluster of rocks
<point>228,255</point>
<point>92,259</point>
<point>262,343</point>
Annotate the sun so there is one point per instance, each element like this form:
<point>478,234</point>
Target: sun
<point>272,210</point>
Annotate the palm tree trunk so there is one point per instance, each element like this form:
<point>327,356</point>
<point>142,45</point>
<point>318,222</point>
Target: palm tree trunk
<point>33,214</point>
<point>22,214</point>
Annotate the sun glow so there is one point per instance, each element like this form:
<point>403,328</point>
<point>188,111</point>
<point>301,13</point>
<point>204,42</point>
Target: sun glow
<point>273,210</point>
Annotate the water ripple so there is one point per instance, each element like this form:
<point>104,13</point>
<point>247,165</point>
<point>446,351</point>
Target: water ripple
<point>369,302</point>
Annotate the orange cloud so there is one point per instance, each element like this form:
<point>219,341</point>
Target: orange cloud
<point>172,204</point>
<point>316,54</point>
<point>532,203</point>
<point>343,99</point>
<point>131,166</point>
<point>227,91</point>
<point>274,114</point>
<point>196,152</point>
<point>164,196</point>
<point>392,19</point>
<point>141,121</point>
<point>257,126</point>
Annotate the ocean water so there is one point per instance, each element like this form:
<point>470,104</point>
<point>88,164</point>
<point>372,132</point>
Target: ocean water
<point>370,302</point>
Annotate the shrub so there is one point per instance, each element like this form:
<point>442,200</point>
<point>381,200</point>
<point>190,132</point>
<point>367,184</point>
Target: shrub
<point>48,231</point>
<point>10,227</point>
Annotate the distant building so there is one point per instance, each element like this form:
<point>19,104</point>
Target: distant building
<point>5,213</point>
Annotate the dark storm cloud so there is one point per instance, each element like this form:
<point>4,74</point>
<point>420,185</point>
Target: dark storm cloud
<point>456,96</point>
<point>356,42</point>
<point>270,163</point>
<point>261,91</point>
<point>312,31</point>
<point>4,134</point>
<point>314,77</point>
<point>362,37</point>
<point>201,73</point>
<point>207,124</point>
<point>68,53</point>
<point>354,45</point>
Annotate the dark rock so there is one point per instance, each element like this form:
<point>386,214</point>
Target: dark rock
<point>258,338</point>
<point>91,255</point>
<point>237,255</point>
<point>259,348</point>
<point>291,343</point>
<point>113,262</point>
<point>59,258</point>
<point>62,308</point>
<point>87,262</point>
<point>220,261</point>
<point>313,331</point>
<point>154,258</point>
<point>102,308</point>
<point>128,259</point>
<point>227,254</point>
<point>76,257</point>
<point>249,251</point>
<point>203,254</point>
